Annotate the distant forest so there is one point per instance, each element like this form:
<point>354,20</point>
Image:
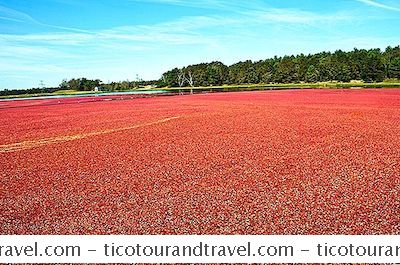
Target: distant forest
<point>365,65</point>
<point>372,65</point>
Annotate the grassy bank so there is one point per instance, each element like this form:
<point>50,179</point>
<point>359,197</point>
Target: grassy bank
<point>56,93</point>
<point>228,88</point>
<point>250,87</point>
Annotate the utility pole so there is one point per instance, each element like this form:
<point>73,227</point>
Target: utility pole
<point>41,84</point>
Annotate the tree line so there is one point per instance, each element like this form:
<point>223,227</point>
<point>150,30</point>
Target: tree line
<point>15,92</point>
<point>372,65</point>
<point>83,84</point>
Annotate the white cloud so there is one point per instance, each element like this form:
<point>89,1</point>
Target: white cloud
<point>225,5</point>
<point>18,16</point>
<point>185,31</point>
<point>379,5</point>
<point>275,15</point>
<point>15,14</point>
<point>11,19</point>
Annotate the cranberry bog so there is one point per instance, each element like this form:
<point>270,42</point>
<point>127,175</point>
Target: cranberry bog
<point>272,162</point>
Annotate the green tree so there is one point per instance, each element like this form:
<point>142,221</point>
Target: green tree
<point>312,74</point>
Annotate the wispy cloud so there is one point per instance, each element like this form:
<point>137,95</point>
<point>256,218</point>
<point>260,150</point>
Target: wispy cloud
<point>225,5</point>
<point>275,15</point>
<point>11,19</point>
<point>192,30</point>
<point>11,14</point>
<point>21,17</point>
<point>379,5</point>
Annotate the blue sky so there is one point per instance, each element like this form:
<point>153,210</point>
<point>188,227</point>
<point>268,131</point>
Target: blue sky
<point>116,40</point>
